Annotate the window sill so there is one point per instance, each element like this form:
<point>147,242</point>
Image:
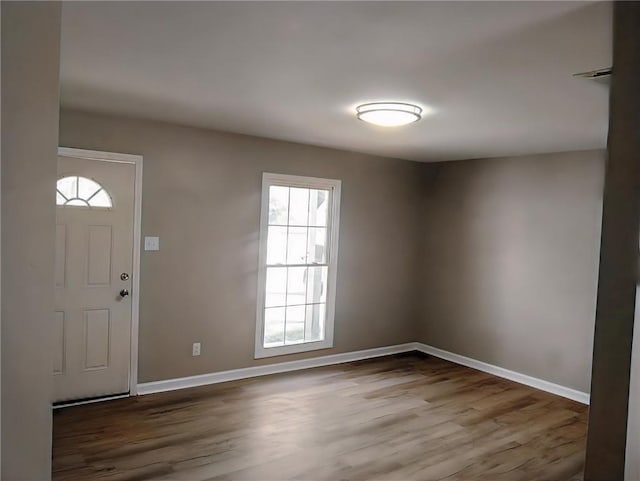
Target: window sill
<point>263,352</point>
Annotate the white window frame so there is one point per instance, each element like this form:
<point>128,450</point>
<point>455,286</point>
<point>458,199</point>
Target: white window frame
<point>333,226</point>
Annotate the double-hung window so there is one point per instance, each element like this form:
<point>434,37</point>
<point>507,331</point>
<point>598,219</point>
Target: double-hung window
<point>298,262</point>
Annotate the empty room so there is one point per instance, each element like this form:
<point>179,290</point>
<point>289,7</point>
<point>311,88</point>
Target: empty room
<point>320,240</point>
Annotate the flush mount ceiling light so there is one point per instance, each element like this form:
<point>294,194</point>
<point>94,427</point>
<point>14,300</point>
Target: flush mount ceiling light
<point>389,114</point>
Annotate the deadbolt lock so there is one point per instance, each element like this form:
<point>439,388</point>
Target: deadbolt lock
<point>124,276</point>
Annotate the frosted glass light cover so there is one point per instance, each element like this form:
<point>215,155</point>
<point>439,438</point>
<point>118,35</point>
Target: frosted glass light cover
<point>389,114</point>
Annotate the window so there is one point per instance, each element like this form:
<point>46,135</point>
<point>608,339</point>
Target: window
<point>81,192</point>
<point>298,262</point>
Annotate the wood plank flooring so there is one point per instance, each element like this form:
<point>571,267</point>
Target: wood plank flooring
<point>395,418</point>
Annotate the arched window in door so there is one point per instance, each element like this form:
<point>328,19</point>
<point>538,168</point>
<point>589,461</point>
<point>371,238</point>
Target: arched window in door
<point>77,191</point>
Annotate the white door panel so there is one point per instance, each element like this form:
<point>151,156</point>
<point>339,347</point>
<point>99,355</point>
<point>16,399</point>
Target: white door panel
<point>58,343</point>
<point>99,255</point>
<point>94,246</point>
<point>61,256</point>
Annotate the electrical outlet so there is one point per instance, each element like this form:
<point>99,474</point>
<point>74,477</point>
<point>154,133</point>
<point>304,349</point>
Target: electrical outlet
<point>195,350</point>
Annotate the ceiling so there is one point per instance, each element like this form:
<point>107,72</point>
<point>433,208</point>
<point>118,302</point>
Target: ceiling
<point>497,75</point>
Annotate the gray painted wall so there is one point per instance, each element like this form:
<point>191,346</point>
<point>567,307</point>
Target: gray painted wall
<point>510,262</point>
<point>201,196</point>
<point>495,259</point>
<point>30,60</point>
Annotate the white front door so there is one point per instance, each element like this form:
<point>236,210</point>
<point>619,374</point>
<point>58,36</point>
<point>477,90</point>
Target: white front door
<point>94,261</point>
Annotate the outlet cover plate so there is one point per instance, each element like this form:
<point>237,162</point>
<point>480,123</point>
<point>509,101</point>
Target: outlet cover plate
<point>151,243</point>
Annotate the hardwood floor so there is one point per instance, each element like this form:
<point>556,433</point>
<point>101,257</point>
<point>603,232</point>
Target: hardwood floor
<point>394,418</point>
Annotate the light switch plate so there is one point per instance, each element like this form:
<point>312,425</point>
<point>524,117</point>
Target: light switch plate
<point>151,243</point>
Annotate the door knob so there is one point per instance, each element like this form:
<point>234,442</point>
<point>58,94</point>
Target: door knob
<point>124,293</point>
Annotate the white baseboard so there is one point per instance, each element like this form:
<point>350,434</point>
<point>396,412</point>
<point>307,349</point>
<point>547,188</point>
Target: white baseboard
<point>255,371</point>
<point>280,367</point>
<point>581,397</point>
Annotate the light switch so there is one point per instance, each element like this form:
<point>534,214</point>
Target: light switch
<point>151,243</point>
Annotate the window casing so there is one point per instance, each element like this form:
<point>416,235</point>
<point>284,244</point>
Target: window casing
<point>299,225</point>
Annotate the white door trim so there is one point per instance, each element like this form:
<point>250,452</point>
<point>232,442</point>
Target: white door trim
<point>137,224</point>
